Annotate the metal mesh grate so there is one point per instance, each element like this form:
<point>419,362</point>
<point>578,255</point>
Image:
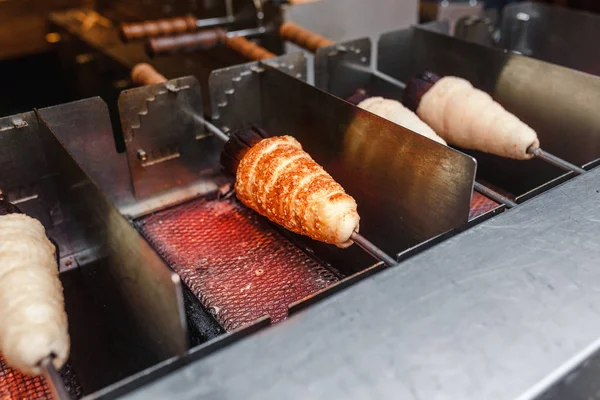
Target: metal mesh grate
<point>480,205</point>
<point>16,386</point>
<point>233,260</point>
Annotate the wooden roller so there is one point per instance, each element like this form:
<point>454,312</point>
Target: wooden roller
<point>302,37</point>
<point>205,40</point>
<point>144,74</point>
<point>161,27</point>
<point>201,40</point>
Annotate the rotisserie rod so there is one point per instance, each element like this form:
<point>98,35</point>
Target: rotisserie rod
<point>209,39</point>
<point>236,40</point>
<point>168,26</point>
<point>50,374</point>
<point>34,334</point>
<point>130,31</point>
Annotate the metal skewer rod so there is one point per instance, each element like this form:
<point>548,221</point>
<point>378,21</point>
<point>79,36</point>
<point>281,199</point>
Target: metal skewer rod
<point>55,382</point>
<point>373,250</point>
<point>247,32</point>
<point>210,22</point>
<point>213,129</point>
<point>556,161</point>
<point>497,197</point>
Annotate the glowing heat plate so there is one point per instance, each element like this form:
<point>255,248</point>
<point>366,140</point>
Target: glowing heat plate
<point>233,260</point>
<point>16,386</point>
<point>480,205</point>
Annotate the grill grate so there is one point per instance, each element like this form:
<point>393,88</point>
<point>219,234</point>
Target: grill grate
<point>233,260</point>
<point>16,386</point>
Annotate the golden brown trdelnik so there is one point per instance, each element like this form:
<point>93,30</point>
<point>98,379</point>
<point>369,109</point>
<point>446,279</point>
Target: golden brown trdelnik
<point>279,180</point>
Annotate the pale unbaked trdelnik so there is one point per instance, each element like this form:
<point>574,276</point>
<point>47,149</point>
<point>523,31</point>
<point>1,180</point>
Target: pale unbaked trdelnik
<point>33,322</point>
<point>395,111</point>
<point>468,117</point>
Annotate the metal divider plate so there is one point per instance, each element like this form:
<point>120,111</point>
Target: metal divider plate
<point>166,142</point>
<point>142,296</point>
<point>343,68</point>
<point>233,90</point>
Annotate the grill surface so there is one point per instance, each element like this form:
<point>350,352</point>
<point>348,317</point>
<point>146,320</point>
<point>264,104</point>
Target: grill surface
<point>233,260</point>
<point>16,386</point>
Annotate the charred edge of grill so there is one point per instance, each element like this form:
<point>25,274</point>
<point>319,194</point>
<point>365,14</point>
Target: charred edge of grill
<point>416,88</point>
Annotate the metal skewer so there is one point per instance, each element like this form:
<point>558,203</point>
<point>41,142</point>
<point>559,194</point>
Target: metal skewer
<point>55,382</point>
<point>373,250</point>
<point>556,161</point>
<point>250,32</point>
<point>497,197</point>
<point>212,128</point>
<point>182,24</point>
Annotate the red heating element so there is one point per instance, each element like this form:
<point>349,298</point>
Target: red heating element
<point>480,205</point>
<point>233,260</point>
<point>16,386</point>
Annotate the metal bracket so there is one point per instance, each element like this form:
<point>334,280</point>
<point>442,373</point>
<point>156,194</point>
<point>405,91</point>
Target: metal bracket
<point>333,66</point>
<point>347,67</point>
<point>234,90</point>
<point>166,143</point>
<point>476,29</point>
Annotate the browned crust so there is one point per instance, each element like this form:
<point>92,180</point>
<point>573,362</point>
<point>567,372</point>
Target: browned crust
<point>291,195</point>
